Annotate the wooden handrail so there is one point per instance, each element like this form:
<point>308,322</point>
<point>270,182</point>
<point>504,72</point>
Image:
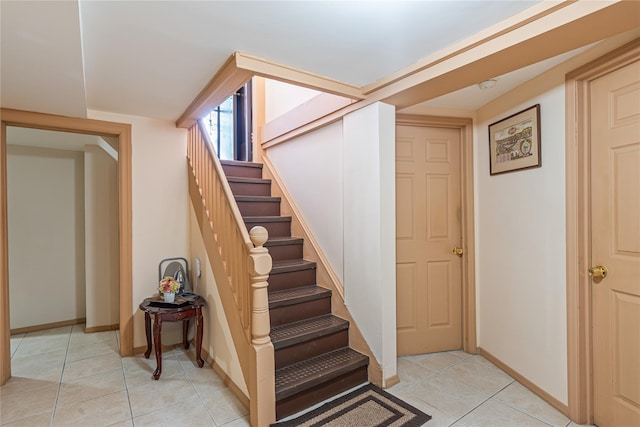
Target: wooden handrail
<point>241,268</point>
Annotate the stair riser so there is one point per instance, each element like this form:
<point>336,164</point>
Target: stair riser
<point>250,189</point>
<point>308,349</point>
<point>304,310</point>
<point>292,279</point>
<point>242,171</point>
<point>259,208</point>
<point>285,252</point>
<point>303,400</point>
<point>275,229</point>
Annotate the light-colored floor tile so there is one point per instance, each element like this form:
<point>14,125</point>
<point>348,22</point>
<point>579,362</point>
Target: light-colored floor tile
<point>125,423</point>
<point>159,394</point>
<point>572,424</point>
<point>438,361</point>
<point>496,414</point>
<point>438,418</point>
<point>103,411</point>
<point>80,349</point>
<point>91,387</point>
<point>410,372</point>
<point>40,420</point>
<point>186,413</point>
<point>478,373</point>
<point>91,366</point>
<point>240,422</point>
<point>22,405</point>
<point>21,384</point>
<point>518,397</point>
<point>35,346</point>
<point>224,407</point>
<point>138,370</point>
<point>448,395</point>
<point>15,342</point>
<point>45,367</point>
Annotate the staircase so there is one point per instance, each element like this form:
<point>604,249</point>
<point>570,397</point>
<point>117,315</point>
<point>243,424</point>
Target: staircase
<point>313,360</point>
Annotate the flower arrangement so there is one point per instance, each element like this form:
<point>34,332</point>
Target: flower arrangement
<point>168,284</point>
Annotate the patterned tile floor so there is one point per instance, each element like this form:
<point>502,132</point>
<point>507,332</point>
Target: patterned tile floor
<point>64,377</point>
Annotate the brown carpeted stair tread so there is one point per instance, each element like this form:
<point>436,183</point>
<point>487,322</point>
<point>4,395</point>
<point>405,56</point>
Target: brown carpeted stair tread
<point>259,219</point>
<point>292,265</point>
<point>283,240</point>
<point>297,295</point>
<point>257,199</point>
<point>309,373</point>
<point>306,330</point>
<point>245,180</point>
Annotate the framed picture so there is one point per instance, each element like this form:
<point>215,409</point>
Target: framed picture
<point>514,142</point>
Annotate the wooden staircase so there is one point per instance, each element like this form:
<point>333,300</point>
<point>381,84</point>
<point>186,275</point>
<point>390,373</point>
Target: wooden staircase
<point>313,360</point>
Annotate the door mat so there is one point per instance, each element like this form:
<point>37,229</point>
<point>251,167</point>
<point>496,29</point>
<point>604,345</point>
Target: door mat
<point>368,406</point>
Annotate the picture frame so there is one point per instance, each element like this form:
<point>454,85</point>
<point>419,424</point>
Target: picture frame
<point>514,142</point>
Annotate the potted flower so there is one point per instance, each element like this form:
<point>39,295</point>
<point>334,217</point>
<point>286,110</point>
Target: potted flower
<point>168,287</point>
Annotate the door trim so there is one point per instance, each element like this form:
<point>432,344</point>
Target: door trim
<point>579,316</point>
<point>73,125</point>
<point>469,342</point>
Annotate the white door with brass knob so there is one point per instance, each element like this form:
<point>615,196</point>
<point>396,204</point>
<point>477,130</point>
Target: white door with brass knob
<point>615,246</point>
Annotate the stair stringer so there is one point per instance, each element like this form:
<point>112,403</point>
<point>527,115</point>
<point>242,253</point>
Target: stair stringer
<point>325,274</point>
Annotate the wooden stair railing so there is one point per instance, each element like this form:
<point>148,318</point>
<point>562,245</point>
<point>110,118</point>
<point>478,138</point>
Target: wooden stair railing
<point>241,266</point>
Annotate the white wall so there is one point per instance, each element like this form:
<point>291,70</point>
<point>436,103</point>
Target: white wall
<point>46,235</point>
<point>311,168</point>
<point>370,228</point>
<point>342,179</point>
<point>282,97</point>
<point>160,207</point>
<point>216,339</point>
<point>521,238</point>
<point>102,254</point>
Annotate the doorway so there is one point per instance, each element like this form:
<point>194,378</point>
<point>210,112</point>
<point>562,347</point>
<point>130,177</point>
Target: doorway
<point>435,289</point>
<point>603,207</point>
<point>122,133</point>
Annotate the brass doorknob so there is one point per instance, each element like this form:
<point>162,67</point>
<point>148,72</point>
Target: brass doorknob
<point>598,271</point>
<point>457,251</point>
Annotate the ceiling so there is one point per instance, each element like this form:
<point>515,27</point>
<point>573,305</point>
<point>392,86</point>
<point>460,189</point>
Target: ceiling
<point>151,58</point>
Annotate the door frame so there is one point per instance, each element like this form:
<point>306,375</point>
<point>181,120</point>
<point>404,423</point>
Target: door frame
<point>122,131</point>
<point>469,342</point>
<point>578,220</point>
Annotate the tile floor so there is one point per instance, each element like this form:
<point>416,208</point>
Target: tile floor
<point>63,377</point>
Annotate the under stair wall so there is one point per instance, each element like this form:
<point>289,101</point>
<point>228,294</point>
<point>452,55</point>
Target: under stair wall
<point>353,224</point>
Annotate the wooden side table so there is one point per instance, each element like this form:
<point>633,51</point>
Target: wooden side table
<point>172,314</point>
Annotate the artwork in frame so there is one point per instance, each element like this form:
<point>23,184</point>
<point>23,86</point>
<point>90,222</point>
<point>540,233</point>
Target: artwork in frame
<point>514,142</point>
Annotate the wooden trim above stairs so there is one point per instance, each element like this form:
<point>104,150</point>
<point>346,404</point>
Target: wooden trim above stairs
<point>325,274</point>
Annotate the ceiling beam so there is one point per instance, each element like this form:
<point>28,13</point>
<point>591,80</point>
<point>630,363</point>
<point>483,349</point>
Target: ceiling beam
<point>541,32</point>
<point>576,25</point>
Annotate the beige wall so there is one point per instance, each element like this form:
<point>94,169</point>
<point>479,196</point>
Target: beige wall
<point>101,237</point>
<point>46,235</point>
<point>160,207</point>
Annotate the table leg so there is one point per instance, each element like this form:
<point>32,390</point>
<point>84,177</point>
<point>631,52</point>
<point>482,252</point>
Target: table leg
<point>157,342</point>
<point>185,334</point>
<point>147,330</point>
<point>199,337</point>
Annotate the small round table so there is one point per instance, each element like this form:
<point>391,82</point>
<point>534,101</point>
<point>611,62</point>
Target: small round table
<point>172,313</point>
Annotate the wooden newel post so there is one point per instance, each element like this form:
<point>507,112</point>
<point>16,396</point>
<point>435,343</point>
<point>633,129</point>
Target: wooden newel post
<point>259,269</point>
<point>262,388</point>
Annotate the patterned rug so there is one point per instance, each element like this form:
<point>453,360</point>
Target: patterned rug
<point>367,406</point>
